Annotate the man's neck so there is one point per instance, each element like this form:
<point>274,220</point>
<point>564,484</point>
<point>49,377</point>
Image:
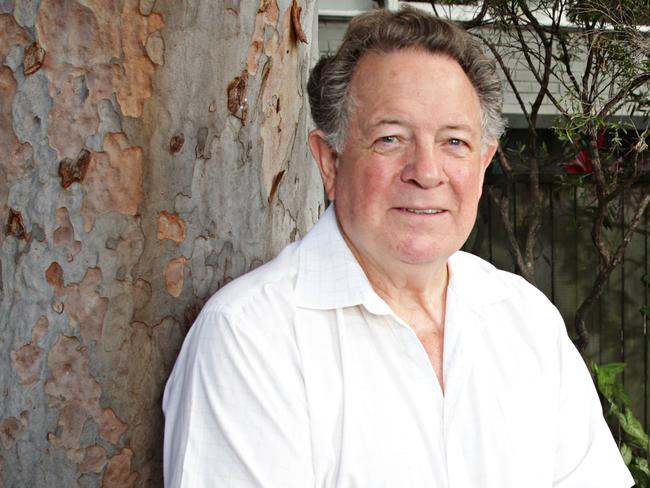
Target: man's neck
<point>416,293</point>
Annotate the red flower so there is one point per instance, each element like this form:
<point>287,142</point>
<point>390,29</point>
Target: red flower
<point>582,163</point>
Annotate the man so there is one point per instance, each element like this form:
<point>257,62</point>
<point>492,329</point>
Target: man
<point>373,353</point>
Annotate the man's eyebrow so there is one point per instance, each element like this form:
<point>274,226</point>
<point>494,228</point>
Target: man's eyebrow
<point>398,121</point>
<point>463,127</point>
<point>388,120</point>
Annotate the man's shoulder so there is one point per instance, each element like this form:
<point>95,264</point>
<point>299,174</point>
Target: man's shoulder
<point>508,294</point>
<point>490,279</point>
<point>271,282</point>
<point>517,314</point>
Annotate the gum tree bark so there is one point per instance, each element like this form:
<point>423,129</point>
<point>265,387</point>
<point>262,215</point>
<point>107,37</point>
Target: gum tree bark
<point>151,152</point>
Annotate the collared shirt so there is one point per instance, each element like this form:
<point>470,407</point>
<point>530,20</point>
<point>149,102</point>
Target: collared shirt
<point>299,375</point>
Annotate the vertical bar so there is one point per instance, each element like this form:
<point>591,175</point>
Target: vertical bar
<point>565,232</point>
<point>632,301</point>
<point>622,303</point>
<point>577,246</point>
<point>514,221</point>
<point>552,207</point>
<point>645,325</point>
<point>612,296</point>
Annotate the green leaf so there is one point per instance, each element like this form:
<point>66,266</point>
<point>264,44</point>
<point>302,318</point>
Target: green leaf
<point>612,368</point>
<point>626,453</point>
<point>645,310</point>
<point>640,479</point>
<point>606,378</point>
<point>619,396</point>
<point>634,430</point>
<point>640,472</point>
<point>642,464</point>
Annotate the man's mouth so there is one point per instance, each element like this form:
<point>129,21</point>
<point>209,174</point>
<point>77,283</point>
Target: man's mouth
<point>424,211</point>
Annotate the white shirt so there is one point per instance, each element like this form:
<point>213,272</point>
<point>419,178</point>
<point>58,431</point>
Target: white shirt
<point>299,375</point>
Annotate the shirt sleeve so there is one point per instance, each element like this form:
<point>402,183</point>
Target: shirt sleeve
<point>235,408</point>
<point>587,455</point>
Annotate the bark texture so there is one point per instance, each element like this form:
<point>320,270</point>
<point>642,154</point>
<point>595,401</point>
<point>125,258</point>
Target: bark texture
<point>153,150</point>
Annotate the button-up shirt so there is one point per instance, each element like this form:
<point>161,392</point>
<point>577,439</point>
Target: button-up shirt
<point>299,375</point>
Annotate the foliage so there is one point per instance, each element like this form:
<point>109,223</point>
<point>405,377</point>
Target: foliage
<point>632,439</point>
<point>590,62</point>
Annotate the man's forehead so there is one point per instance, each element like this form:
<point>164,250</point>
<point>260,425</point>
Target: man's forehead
<point>409,71</point>
<point>391,58</point>
<point>431,97</point>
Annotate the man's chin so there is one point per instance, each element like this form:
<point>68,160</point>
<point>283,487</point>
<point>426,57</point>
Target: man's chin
<point>413,255</point>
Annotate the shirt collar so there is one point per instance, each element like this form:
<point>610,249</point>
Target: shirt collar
<point>475,281</point>
<point>330,277</point>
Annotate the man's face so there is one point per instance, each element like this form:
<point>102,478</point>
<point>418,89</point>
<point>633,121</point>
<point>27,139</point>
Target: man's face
<point>407,184</point>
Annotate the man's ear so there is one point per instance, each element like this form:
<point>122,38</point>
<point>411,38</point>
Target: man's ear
<point>486,159</point>
<point>487,155</point>
<point>326,158</point>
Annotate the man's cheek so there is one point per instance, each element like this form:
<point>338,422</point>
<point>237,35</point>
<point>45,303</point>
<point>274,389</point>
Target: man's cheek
<point>375,184</point>
<point>467,180</point>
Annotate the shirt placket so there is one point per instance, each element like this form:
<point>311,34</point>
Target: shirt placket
<point>426,389</point>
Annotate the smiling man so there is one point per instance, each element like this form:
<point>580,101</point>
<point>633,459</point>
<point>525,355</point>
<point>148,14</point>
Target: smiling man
<point>373,353</point>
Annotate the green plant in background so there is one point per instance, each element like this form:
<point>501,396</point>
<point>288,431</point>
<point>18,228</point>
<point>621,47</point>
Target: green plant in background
<point>632,439</point>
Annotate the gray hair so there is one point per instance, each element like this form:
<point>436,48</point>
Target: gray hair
<point>381,31</point>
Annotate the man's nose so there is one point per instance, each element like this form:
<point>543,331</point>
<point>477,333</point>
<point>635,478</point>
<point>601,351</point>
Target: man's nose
<point>425,166</point>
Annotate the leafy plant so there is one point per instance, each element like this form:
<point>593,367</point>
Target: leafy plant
<point>632,439</point>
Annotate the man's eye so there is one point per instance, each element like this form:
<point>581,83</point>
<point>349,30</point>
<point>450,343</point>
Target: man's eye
<point>388,139</point>
<point>455,142</point>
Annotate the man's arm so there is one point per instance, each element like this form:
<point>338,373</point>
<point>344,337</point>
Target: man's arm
<point>587,455</point>
<point>235,408</point>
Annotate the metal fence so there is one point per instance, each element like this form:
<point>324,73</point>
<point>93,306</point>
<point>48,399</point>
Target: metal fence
<point>566,265</point>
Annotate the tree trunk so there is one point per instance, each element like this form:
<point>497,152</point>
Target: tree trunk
<point>151,152</point>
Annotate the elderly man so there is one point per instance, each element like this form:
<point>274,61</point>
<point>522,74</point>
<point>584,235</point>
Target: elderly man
<point>373,353</point>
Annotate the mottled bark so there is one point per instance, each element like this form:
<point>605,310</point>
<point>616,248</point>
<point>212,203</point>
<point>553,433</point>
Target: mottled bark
<point>135,181</point>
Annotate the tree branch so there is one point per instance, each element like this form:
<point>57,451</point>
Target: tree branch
<point>478,20</point>
<point>523,263</point>
<point>586,105</point>
<point>508,75</point>
<point>631,86</point>
<point>503,204</point>
<point>433,6</point>
<point>567,61</point>
<point>534,69</point>
<point>603,276</point>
